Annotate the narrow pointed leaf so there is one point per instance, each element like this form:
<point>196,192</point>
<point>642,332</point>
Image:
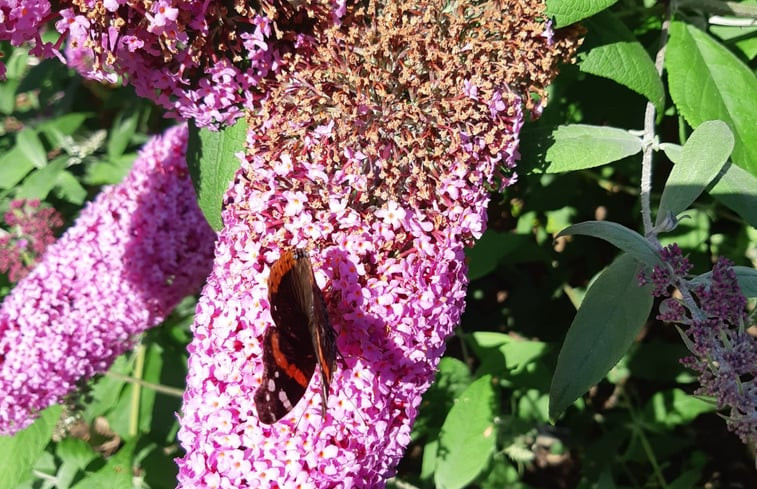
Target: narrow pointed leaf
<point>735,187</point>
<point>625,239</point>
<point>702,158</point>
<point>611,315</point>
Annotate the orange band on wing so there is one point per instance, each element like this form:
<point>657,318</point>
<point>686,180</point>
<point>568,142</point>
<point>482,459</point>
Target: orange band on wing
<point>280,268</point>
<point>325,367</point>
<point>281,361</point>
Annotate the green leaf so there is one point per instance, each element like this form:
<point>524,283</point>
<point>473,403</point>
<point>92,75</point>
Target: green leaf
<point>75,455</point>
<point>106,390</point>
<point>16,66</point>
<point>428,463</point>
<point>687,480</point>
<point>39,183</point>
<point>21,451</point>
<point>611,315</point>
<point>8,95</point>
<point>68,188</point>
<point>490,339</point>
<point>674,152</point>
<point>534,406</point>
<point>485,255</point>
<point>494,248</point>
<point>117,473</point>
<point>620,236</point>
<point>520,353</point>
<point>734,187</point>
<point>76,451</point>
<point>13,168</point>
<point>567,12</point>
<point>451,380</point>
<point>708,82</point>
<point>467,438</point>
<point>65,125</point>
<point>674,407</point>
<point>159,467</point>
<point>123,130</point>
<point>702,158</point>
<point>212,164</point>
<point>580,146</point>
<point>31,147</point>
<point>737,189</point>
<point>745,276</point>
<point>109,172</point>
<point>629,64</point>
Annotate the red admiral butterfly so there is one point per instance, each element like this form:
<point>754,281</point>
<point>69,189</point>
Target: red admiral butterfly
<point>302,336</point>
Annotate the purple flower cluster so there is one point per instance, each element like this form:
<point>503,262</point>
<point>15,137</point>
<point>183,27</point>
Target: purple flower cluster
<point>21,22</point>
<point>725,355</point>
<point>199,60</point>
<point>131,255</point>
<point>395,288</point>
<point>376,155</point>
<point>30,232</point>
<point>674,265</point>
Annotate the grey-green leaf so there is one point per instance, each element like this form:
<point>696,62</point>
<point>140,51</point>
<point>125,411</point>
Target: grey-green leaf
<point>702,158</point>
<point>737,189</point>
<point>567,12</point>
<point>468,436</point>
<point>625,239</point>
<point>580,146</point>
<point>708,82</point>
<point>611,315</point>
<point>734,187</point>
<point>212,163</point>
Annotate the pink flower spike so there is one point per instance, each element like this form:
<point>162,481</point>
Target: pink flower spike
<point>386,181</point>
<point>132,254</point>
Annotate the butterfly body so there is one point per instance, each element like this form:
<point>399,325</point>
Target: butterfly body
<point>301,337</point>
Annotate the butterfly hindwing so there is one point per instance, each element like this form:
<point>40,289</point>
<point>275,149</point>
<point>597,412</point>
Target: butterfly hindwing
<point>284,383</point>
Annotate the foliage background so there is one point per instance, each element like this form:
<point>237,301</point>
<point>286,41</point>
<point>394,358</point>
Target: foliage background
<point>486,421</point>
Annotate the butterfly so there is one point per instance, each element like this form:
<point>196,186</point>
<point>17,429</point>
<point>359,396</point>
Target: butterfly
<point>302,336</point>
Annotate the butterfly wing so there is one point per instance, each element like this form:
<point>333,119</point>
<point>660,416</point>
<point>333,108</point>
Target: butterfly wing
<point>286,376</point>
<point>301,337</point>
<point>324,343</point>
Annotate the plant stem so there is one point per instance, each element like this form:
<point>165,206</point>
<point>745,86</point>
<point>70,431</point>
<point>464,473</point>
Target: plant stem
<point>649,140</point>
<point>139,366</point>
<point>170,391</point>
